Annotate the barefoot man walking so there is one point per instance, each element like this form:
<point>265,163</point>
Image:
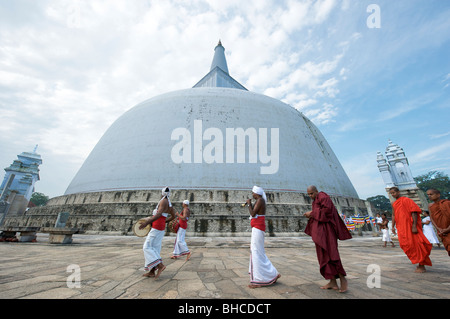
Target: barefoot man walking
<point>409,228</point>
<point>180,247</point>
<point>325,227</point>
<point>262,272</point>
<point>153,242</point>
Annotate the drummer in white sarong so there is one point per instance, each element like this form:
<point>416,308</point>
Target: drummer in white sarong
<point>152,245</point>
<point>262,272</point>
<point>180,247</point>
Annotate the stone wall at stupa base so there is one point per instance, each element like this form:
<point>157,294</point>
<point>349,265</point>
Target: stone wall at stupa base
<point>213,212</point>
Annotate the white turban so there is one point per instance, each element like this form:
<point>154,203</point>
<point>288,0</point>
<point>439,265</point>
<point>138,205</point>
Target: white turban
<point>166,193</point>
<point>186,202</point>
<point>258,190</point>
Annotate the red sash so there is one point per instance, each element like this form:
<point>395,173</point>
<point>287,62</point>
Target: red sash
<point>259,222</point>
<point>182,223</point>
<point>160,223</point>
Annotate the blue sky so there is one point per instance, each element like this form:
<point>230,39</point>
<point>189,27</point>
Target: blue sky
<point>68,69</point>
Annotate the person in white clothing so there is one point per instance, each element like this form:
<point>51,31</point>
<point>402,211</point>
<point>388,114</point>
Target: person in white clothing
<point>428,230</point>
<point>153,242</point>
<point>378,221</point>
<point>384,226</point>
<point>180,247</point>
<point>262,272</point>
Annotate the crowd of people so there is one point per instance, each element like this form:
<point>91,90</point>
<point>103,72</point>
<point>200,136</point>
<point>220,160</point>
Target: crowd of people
<point>415,234</point>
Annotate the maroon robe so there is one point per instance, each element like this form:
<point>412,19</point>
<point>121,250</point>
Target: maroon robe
<point>325,227</point>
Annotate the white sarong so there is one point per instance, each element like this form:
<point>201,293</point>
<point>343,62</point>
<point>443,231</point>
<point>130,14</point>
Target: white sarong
<point>386,236</point>
<point>428,231</point>
<point>180,248</point>
<point>261,270</point>
<point>152,248</point>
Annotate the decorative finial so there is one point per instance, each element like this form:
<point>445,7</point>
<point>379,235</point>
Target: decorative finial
<point>35,148</point>
<point>220,43</point>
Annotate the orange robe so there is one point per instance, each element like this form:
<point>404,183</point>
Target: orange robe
<point>416,246</point>
<point>440,214</point>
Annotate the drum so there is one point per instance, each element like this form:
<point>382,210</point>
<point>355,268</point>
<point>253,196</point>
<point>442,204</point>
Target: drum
<point>173,225</point>
<point>141,232</point>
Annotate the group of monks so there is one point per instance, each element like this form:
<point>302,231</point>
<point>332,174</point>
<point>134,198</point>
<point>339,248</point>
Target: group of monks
<point>325,227</point>
<point>406,218</point>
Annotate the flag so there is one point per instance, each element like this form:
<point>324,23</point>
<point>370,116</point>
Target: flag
<point>350,225</point>
<point>370,219</point>
<point>358,220</point>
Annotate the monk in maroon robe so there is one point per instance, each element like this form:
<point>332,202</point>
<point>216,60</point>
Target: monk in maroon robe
<point>325,227</point>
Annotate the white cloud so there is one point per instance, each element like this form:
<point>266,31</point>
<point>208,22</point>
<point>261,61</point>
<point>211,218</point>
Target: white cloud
<point>434,136</point>
<point>436,151</point>
<point>322,10</point>
<point>323,115</point>
<point>68,68</point>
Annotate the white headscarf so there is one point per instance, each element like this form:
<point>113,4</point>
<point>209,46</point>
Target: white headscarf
<point>166,193</point>
<point>258,190</point>
<point>186,202</point>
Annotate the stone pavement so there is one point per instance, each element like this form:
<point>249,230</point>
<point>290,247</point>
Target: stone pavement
<point>112,266</point>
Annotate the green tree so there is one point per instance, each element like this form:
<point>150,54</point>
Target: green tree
<point>39,199</point>
<point>434,179</point>
<point>380,202</point>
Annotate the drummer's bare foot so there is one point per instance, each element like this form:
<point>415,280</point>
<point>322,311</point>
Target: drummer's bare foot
<point>278,276</point>
<point>173,257</point>
<point>252,286</point>
<point>188,256</point>
<point>149,274</point>
<point>161,268</point>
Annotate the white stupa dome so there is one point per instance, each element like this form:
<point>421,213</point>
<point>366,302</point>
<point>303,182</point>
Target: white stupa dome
<point>216,135</point>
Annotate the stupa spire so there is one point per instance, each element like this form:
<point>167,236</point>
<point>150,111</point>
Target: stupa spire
<point>218,75</point>
<point>219,59</point>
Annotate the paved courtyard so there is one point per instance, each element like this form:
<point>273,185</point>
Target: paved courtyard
<point>111,267</point>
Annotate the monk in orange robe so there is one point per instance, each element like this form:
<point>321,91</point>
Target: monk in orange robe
<point>440,216</point>
<point>325,227</point>
<point>409,227</point>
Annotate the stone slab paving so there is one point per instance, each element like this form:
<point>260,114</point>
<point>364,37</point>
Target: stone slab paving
<point>111,267</point>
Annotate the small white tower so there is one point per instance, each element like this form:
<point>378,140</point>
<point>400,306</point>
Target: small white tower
<point>385,170</point>
<point>395,171</point>
<point>18,183</point>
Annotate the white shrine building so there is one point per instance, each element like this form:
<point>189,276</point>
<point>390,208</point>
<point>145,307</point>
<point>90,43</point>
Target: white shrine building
<point>395,171</point>
<point>18,183</point>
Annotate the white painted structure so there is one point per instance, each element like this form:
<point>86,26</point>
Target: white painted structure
<point>22,175</point>
<point>394,168</point>
<point>184,139</point>
<point>395,171</point>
